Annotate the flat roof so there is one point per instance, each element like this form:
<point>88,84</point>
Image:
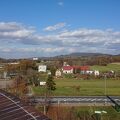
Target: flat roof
<point>12,108</point>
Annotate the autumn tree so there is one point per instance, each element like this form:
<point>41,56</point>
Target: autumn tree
<point>24,65</point>
<point>20,86</point>
<point>33,77</point>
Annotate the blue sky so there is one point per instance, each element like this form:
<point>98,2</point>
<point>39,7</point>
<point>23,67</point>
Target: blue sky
<point>52,27</point>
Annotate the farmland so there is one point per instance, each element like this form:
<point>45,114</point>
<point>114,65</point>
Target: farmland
<point>73,87</point>
<point>112,66</point>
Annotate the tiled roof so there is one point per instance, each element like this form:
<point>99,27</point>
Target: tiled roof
<point>81,67</point>
<point>11,108</point>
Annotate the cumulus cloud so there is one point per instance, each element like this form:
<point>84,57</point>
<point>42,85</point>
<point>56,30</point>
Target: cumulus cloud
<point>55,27</point>
<point>10,26</point>
<point>12,32</point>
<point>30,51</point>
<point>78,40</point>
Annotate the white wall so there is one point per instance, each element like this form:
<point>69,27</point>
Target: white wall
<point>42,68</point>
<point>68,71</point>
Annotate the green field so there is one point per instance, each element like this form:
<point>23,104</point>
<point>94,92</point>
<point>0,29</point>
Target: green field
<point>74,87</point>
<point>113,66</point>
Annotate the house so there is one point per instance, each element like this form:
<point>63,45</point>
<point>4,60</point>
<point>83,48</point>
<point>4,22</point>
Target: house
<point>58,73</point>
<point>96,73</point>
<point>67,69</point>
<point>81,69</point>
<point>35,59</point>
<point>42,68</point>
<point>75,69</point>
<point>90,72</point>
<point>84,68</point>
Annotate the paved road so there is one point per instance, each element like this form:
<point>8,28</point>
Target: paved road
<point>76,99</point>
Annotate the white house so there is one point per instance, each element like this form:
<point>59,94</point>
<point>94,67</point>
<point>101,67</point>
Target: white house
<point>35,58</point>
<point>89,72</point>
<point>97,73</point>
<point>58,73</point>
<point>42,68</point>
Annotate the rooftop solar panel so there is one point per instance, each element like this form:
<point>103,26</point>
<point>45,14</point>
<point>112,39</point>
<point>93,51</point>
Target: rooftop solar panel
<point>11,108</point>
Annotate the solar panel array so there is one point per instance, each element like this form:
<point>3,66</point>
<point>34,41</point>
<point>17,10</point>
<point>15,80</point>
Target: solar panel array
<point>11,108</point>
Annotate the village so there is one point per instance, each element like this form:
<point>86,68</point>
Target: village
<point>9,71</point>
<point>79,70</point>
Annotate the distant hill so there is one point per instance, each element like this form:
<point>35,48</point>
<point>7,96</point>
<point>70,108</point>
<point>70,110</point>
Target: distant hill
<point>77,54</point>
<point>88,54</point>
<point>2,60</point>
<point>71,55</point>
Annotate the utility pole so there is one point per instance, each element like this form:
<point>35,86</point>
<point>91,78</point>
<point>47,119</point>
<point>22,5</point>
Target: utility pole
<point>105,87</point>
<point>45,100</point>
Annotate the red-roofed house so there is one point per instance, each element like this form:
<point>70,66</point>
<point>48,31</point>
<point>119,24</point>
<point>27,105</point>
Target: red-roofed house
<point>77,69</point>
<point>67,69</point>
<point>84,68</point>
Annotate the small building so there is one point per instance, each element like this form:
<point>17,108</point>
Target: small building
<point>49,72</point>
<point>67,69</point>
<point>35,59</point>
<point>58,73</point>
<point>42,68</point>
<point>96,73</point>
<point>90,72</point>
<point>42,83</point>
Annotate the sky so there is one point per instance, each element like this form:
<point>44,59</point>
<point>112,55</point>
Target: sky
<point>39,28</point>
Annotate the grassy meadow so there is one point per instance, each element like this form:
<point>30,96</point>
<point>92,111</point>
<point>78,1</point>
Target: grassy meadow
<point>112,66</point>
<point>73,87</point>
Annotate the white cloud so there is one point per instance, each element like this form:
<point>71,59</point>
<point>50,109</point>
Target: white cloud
<point>78,40</point>
<point>9,26</point>
<point>55,27</point>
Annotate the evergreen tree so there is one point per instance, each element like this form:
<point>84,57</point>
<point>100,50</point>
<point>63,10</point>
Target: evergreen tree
<point>50,84</point>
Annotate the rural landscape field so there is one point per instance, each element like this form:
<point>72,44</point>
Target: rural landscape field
<point>59,59</point>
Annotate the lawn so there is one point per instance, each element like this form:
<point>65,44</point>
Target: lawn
<point>74,87</point>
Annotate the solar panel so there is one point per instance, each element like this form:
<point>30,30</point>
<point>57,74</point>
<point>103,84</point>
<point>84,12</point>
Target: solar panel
<point>11,108</point>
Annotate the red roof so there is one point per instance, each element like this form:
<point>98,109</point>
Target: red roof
<point>67,67</point>
<point>81,67</point>
<point>84,67</point>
